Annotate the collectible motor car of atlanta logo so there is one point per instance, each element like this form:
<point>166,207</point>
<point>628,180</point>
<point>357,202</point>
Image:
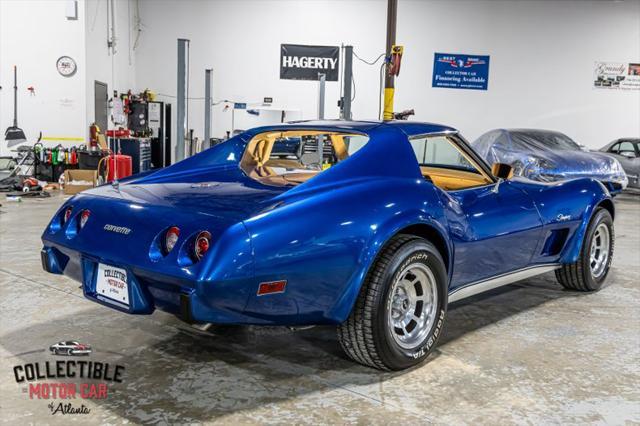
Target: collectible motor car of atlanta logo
<point>64,381</point>
<point>70,347</point>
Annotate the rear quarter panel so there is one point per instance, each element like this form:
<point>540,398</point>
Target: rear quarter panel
<point>323,245</point>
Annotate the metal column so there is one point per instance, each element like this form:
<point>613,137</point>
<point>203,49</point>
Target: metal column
<point>181,124</point>
<point>389,86</point>
<point>207,107</point>
<point>321,83</point>
<point>347,83</point>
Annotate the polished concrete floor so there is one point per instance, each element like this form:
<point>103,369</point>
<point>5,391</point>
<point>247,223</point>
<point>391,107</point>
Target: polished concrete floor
<point>529,353</point>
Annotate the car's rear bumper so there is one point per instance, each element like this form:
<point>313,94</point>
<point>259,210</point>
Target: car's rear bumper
<point>148,290</point>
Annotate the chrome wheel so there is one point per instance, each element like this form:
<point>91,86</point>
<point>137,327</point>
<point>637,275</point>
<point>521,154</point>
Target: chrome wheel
<point>413,304</point>
<point>599,254</point>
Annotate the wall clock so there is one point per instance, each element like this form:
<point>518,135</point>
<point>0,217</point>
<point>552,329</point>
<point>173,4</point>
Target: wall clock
<point>66,66</point>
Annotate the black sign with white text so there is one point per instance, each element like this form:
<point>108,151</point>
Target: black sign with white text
<point>299,62</point>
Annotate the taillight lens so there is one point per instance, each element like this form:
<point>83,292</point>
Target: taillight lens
<point>171,238</point>
<point>202,244</point>
<point>84,217</point>
<point>67,215</point>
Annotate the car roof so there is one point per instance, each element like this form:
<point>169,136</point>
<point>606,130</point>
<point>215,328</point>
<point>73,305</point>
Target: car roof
<point>522,130</point>
<point>410,128</point>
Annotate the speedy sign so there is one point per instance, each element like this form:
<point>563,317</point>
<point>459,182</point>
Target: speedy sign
<point>299,62</point>
<point>457,71</point>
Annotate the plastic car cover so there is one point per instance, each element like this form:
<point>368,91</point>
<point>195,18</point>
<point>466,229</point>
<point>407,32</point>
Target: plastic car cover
<point>547,156</point>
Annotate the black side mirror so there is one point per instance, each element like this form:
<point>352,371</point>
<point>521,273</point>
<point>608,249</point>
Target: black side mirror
<point>502,171</point>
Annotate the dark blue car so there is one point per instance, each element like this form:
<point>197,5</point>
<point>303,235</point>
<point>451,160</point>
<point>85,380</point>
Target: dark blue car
<point>373,226</point>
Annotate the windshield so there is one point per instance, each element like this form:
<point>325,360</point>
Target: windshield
<point>294,156</point>
<point>551,140</point>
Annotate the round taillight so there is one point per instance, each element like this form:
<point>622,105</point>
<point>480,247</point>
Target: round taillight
<point>171,238</point>
<point>202,244</point>
<point>84,217</point>
<point>67,214</point>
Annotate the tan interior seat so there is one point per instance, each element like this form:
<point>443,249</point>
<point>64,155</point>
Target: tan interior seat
<point>451,180</point>
<point>259,165</point>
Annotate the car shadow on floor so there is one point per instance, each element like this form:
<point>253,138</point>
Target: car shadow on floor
<point>175,373</point>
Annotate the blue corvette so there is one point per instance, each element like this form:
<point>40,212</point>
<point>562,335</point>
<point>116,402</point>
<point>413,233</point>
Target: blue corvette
<point>373,226</point>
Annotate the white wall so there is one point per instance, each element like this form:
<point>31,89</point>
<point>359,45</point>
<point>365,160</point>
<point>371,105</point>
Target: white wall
<point>542,58</point>
<point>541,67</point>
<point>121,74</point>
<point>33,35</point>
<point>541,71</point>
<point>241,41</point>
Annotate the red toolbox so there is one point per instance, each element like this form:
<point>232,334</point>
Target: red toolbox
<point>121,163</point>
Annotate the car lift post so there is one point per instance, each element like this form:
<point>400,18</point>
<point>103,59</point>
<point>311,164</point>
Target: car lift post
<point>392,12</point>
<point>208,73</point>
<point>181,127</point>
<point>321,83</point>
<point>347,81</point>
<point>321,86</point>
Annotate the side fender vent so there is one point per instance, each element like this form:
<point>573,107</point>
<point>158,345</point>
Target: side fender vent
<point>555,242</point>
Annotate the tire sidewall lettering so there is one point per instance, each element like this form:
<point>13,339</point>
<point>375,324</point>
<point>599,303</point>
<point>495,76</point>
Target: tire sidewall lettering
<point>426,258</point>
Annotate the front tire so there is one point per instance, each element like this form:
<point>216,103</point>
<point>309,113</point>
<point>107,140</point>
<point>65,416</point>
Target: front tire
<point>594,261</point>
<point>400,311</point>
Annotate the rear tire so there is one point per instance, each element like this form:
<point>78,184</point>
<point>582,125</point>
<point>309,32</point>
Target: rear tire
<point>398,316</point>
<point>594,261</point>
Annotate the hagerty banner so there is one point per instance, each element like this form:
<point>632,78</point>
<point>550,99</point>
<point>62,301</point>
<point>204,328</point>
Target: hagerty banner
<point>457,71</point>
<point>300,62</point>
<point>617,75</point>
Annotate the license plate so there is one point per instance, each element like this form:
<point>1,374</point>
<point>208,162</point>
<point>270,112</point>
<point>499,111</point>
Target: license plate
<point>112,284</point>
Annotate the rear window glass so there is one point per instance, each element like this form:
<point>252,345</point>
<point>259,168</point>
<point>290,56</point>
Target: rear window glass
<point>292,157</point>
<point>552,140</point>
<point>438,151</point>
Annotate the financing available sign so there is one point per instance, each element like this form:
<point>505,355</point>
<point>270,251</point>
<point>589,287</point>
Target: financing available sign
<point>616,75</point>
<point>459,71</point>
<point>300,62</point>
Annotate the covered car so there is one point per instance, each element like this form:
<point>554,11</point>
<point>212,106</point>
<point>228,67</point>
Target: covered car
<point>548,156</point>
<point>627,152</point>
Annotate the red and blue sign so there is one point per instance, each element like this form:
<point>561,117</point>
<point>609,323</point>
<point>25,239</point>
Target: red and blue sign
<point>457,71</point>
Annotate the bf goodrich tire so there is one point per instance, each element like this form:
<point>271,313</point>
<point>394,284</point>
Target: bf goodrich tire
<point>400,311</point>
<point>596,253</point>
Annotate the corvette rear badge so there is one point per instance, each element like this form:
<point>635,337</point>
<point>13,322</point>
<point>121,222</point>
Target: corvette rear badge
<point>117,229</point>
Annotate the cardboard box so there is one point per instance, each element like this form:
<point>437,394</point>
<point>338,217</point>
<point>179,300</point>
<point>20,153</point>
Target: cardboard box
<point>89,179</point>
